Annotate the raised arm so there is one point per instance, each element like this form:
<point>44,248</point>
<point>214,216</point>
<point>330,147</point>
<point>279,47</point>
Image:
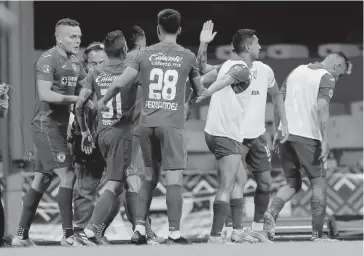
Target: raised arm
<point>206,36</point>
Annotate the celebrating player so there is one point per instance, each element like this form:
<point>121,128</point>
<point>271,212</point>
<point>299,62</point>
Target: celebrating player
<point>256,152</point>
<point>114,131</point>
<point>57,72</point>
<point>224,132</point>
<point>307,91</point>
<point>163,68</point>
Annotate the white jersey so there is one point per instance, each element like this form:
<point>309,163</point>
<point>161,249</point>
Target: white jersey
<point>262,78</point>
<point>227,109</point>
<point>302,89</point>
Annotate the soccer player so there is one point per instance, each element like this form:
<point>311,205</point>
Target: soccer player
<point>57,72</point>
<point>224,130</point>
<point>114,131</point>
<point>88,168</point>
<point>256,152</point>
<point>163,69</point>
<point>4,104</point>
<point>307,90</point>
<point>136,41</point>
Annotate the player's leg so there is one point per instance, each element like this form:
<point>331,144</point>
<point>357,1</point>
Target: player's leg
<point>238,234</point>
<point>291,168</point>
<point>259,163</point>
<point>117,153</point>
<point>135,176</point>
<point>151,151</point>
<point>51,156</point>
<point>228,156</point>
<point>174,163</point>
<point>309,158</point>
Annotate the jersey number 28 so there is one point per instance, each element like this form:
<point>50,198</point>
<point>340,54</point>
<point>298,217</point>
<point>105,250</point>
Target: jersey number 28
<point>111,113</point>
<point>164,84</point>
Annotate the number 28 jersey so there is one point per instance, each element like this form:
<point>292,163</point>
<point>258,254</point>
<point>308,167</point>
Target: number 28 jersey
<point>163,71</point>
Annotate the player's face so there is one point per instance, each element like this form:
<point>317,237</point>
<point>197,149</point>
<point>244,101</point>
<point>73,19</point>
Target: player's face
<point>254,48</point>
<point>70,39</point>
<point>95,59</point>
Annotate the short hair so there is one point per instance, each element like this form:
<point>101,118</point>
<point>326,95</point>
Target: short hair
<point>114,43</point>
<point>94,46</point>
<point>169,20</point>
<point>67,22</point>
<point>133,34</point>
<point>240,38</point>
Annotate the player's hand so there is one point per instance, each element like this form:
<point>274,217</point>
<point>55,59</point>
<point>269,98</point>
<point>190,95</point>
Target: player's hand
<point>207,34</point>
<point>204,95</point>
<point>285,133</point>
<point>101,106</point>
<point>325,150</point>
<point>4,88</point>
<point>187,111</point>
<point>280,137</point>
<point>87,143</point>
<point>90,105</point>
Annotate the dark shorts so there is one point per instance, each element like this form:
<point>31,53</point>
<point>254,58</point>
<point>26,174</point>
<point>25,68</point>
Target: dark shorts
<point>256,154</point>
<point>164,145</point>
<point>296,156</point>
<point>52,150</point>
<point>223,146</point>
<point>117,152</point>
<point>94,162</point>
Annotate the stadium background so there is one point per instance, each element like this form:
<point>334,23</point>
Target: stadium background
<point>290,33</point>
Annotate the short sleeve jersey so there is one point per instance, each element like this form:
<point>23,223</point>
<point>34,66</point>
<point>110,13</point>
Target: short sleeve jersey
<point>164,69</point>
<point>121,107</point>
<point>63,72</point>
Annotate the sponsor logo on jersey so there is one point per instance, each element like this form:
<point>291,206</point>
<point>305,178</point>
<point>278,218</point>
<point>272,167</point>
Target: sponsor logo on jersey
<point>105,79</point>
<point>255,92</point>
<point>69,81</point>
<point>160,59</point>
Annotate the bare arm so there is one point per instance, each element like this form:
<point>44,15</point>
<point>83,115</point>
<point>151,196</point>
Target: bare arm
<point>206,36</point>
<point>80,108</point>
<point>47,95</point>
<point>323,116</point>
<point>122,81</point>
<point>202,59</point>
<point>210,77</point>
<point>279,108</point>
<point>220,83</point>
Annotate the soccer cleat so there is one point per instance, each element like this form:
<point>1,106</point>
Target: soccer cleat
<point>226,233</point>
<point>269,225</point>
<point>71,241</point>
<point>242,236</point>
<point>261,235</point>
<point>17,241</point>
<point>138,238</point>
<point>317,237</point>
<point>218,240</point>
<point>180,240</point>
<point>87,242</point>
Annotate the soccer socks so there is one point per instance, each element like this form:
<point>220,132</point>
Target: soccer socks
<point>64,199</point>
<point>276,207</point>
<point>318,208</point>
<point>174,205</point>
<point>30,204</point>
<point>229,220</point>
<point>261,202</point>
<point>131,206</point>
<point>104,206</point>
<point>144,200</point>
<point>221,210</point>
<point>237,212</point>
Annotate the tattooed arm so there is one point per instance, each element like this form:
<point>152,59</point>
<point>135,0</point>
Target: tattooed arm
<point>206,36</point>
<point>84,96</point>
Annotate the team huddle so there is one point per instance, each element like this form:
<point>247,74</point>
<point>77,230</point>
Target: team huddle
<point>128,109</point>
